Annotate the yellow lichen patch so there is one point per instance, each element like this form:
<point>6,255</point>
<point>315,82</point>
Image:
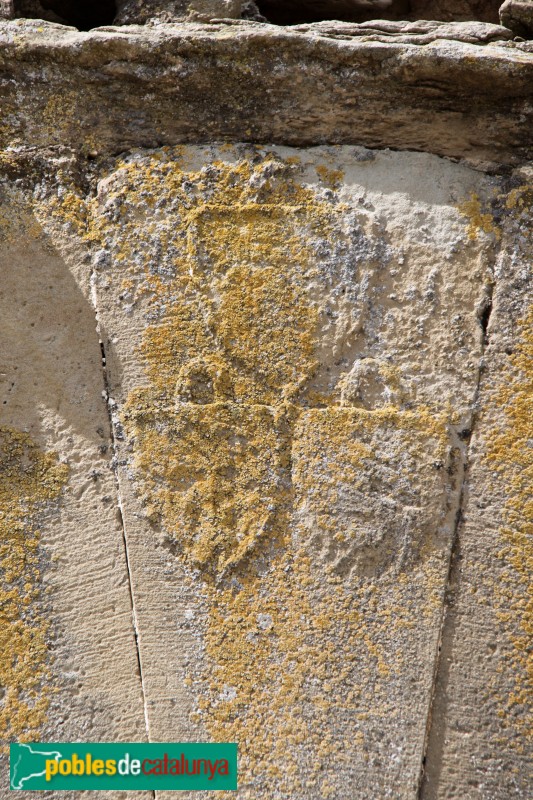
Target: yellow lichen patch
<point>178,340</point>
<point>278,682</point>
<point>268,330</point>
<point>29,479</point>
<point>478,219</point>
<point>217,475</point>
<point>511,454</point>
<point>331,177</point>
<point>255,344</point>
<point>69,209</point>
<point>520,199</point>
<point>298,652</point>
<point>223,240</point>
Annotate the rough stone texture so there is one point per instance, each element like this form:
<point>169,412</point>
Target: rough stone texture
<point>113,89</point>
<point>140,11</point>
<point>292,341</point>
<point>480,742</point>
<point>279,12</point>
<point>82,659</point>
<point>314,487</point>
<point>88,15</point>
<point>518,16</point>
<point>422,32</point>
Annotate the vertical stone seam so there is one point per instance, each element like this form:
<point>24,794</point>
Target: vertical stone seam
<point>484,320</point>
<point>114,464</point>
<point>120,512</point>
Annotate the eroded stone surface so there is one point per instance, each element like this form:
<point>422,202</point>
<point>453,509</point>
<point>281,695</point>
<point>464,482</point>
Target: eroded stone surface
<point>114,89</point>
<point>518,16</point>
<point>298,345</point>
<point>418,32</point>
<point>480,744</point>
<point>293,342</point>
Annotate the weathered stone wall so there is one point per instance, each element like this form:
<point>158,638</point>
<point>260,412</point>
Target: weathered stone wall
<point>480,741</point>
<point>264,421</point>
<point>459,90</point>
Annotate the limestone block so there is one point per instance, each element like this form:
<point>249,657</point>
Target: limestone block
<point>370,490</point>
<point>69,664</point>
<point>298,345</point>
<point>114,89</point>
<point>479,745</point>
<point>293,342</point>
<point>518,16</point>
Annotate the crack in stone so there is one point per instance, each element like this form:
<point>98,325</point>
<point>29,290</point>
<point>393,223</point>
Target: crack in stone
<point>484,318</point>
<point>121,516</point>
<point>152,793</point>
<point>465,435</point>
<point>124,536</point>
